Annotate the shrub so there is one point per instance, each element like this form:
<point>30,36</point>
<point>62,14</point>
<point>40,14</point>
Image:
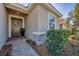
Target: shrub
<point>73,33</point>
<point>57,41</point>
<point>22,31</point>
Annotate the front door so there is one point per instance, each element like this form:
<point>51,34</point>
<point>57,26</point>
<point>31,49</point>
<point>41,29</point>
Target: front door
<point>16,24</point>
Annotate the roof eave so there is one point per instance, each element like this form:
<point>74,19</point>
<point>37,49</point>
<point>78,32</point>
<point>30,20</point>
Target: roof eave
<point>56,10</point>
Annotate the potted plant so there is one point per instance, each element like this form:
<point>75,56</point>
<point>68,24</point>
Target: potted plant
<point>22,31</point>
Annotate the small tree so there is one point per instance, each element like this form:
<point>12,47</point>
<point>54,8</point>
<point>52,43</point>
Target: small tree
<point>67,22</point>
<point>69,19</point>
<point>76,16</point>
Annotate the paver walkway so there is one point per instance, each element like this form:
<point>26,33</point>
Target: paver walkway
<point>21,48</point>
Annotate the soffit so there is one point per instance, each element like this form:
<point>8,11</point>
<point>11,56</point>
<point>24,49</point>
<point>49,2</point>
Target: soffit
<point>27,8</point>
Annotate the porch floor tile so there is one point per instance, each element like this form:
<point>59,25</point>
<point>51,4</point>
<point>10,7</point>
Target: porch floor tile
<point>21,48</point>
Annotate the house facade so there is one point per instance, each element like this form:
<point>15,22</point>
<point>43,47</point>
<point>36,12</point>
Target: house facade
<point>37,17</point>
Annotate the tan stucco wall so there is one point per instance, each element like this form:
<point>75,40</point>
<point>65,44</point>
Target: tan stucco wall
<point>3,26</point>
<point>43,23</point>
<point>57,23</point>
<point>62,21</point>
<point>32,23</point>
<point>42,19</point>
<point>37,21</point>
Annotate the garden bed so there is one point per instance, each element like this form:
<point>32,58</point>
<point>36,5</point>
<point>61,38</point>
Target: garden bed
<point>41,50</point>
<point>6,50</point>
<point>72,48</point>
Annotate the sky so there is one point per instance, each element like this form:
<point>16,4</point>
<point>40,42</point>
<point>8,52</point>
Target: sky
<point>64,8</point>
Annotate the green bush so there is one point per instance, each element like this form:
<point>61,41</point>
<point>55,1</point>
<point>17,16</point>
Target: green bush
<point>57,41</point>
<point>73,33</point>
<point>22,31</point>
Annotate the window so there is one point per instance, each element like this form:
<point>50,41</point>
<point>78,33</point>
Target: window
<point>51,20</point>
<point>60,26</point>
<point>25,5</point>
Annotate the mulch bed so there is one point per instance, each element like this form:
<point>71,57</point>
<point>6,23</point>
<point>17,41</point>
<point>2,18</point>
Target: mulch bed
<point>41,50</point>
<point>72,48</point>
<point>6,50</point>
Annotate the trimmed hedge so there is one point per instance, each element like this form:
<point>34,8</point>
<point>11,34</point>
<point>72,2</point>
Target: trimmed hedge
<point>57,41</point>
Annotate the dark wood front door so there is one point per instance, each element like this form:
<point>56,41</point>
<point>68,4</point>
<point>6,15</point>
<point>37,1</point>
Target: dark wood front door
<point>16,24</point>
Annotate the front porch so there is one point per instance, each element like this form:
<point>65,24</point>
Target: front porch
<point>18,47</point>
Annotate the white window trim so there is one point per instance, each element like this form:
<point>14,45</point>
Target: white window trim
<point>9,23</point>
